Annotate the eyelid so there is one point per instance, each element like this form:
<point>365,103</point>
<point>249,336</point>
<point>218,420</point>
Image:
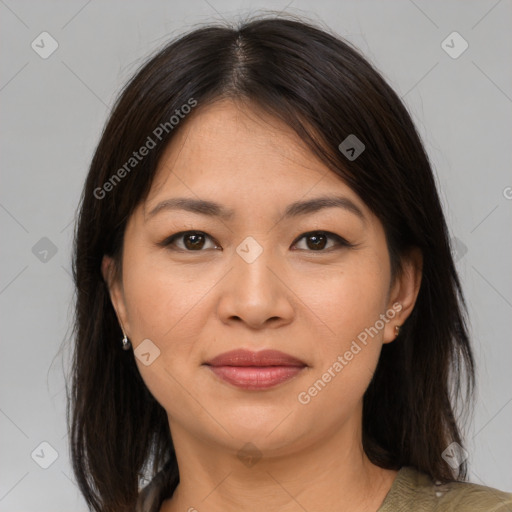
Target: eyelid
<point>340,241</point>
<point>169,241</point>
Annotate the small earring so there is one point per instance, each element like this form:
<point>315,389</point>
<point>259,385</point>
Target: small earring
<point>397,330</point>
<point>126,342</point>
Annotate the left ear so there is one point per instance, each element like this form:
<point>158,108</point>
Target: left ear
<point>404,292</point>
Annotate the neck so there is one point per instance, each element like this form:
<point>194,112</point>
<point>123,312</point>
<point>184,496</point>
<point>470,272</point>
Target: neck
<point>332,474</point>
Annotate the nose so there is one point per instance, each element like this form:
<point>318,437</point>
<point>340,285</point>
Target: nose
<point>256,293</point>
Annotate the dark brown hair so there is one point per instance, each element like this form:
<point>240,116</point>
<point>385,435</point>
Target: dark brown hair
<point>325,90</point>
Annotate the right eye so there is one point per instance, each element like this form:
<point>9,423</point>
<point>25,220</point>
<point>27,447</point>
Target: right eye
<point>192,241</point>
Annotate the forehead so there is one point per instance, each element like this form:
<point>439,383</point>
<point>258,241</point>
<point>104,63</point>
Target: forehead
<point>229,148</point>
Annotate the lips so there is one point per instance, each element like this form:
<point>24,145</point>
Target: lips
<point>255,370</point>
<point>248,358</point>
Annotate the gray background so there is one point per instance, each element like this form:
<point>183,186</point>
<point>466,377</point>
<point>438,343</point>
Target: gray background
<point>53,111</point>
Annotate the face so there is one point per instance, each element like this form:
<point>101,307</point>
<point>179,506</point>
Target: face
<point>255,272</point>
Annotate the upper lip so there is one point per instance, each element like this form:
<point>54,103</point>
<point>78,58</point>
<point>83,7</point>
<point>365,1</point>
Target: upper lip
<point>248,358</point>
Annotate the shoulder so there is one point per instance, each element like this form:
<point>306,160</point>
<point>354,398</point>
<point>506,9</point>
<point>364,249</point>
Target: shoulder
<point>473,497</point>
<point>414,490</point>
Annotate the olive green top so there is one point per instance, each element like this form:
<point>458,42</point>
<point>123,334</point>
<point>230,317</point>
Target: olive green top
<point>412,491</point>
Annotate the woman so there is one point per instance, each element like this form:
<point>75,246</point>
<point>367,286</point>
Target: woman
<point>261,231</point>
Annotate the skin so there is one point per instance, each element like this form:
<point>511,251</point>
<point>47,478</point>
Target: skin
<point>303,300</point>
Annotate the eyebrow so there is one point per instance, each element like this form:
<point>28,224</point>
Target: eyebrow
<point>213,209</point>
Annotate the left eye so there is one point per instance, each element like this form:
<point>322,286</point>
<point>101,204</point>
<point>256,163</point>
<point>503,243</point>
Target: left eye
<point>317,240</point>
<point>195,241</point>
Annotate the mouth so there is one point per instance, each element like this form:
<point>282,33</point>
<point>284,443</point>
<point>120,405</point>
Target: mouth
<point>255,370</point>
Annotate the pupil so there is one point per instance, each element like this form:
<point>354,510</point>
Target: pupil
<point>197,241</point>
<point>319,241</point>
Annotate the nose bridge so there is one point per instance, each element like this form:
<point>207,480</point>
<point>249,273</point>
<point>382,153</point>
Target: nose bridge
<point>252,262</point>
<point>253,293</point>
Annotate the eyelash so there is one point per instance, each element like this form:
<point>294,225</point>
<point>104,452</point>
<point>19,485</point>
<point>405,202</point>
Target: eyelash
<point>341,242</point>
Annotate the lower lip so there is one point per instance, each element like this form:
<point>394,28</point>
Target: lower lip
<point>255,377</point>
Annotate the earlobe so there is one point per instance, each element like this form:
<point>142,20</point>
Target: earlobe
<point>404,292</point>
<point>113,282</point>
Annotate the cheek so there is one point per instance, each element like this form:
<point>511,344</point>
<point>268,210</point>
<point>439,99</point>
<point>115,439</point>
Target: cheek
<point>170,307</point>
<point>349,304</point>
<point>346,300</point>
<point>164,303</point>
<point>165,306</point>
